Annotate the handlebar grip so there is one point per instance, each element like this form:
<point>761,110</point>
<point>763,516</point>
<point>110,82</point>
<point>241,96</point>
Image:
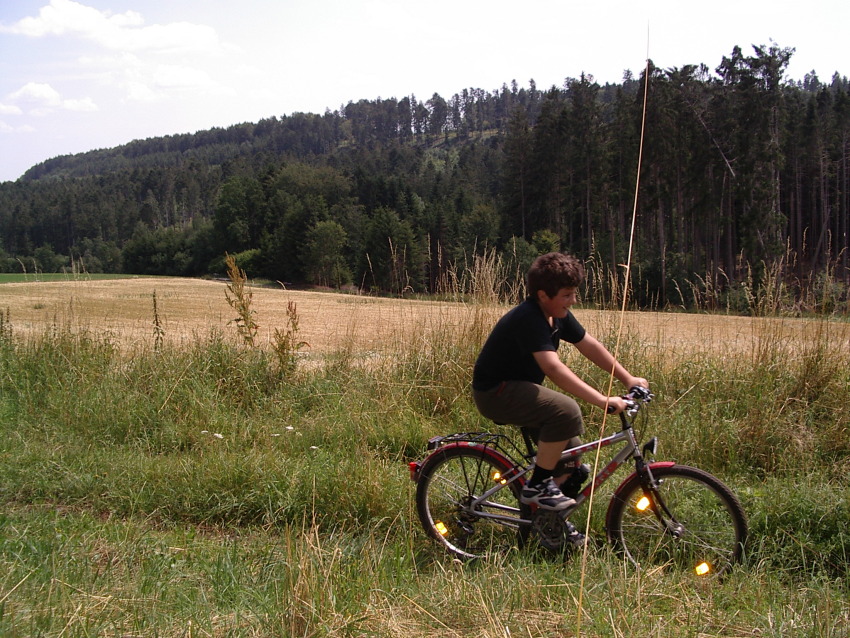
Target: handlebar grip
<point>631,403</point>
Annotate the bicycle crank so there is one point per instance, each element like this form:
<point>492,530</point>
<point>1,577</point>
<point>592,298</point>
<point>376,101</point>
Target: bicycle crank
<point>554,532</point>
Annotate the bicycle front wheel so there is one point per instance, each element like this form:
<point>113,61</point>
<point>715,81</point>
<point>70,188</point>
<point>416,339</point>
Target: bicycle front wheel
<point>451,510</point>
<point>692,521</point>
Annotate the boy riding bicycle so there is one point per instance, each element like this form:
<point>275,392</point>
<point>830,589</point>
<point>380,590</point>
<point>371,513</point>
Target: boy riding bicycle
<point>521,351</point>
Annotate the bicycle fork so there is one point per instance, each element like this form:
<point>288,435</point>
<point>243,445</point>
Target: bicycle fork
<point>652,498</point>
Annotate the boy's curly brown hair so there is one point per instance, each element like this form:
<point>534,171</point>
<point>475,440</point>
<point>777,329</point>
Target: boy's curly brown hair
<point>553,271</point>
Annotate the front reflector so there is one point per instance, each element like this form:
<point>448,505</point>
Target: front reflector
<point>642,504</point>
<point>702,569</point>
<point>441,527</point>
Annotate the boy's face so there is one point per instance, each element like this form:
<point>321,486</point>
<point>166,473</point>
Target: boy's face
<point>560,304</point>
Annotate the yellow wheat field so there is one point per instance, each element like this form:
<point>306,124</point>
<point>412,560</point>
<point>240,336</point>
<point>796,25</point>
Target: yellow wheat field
<point>123,311</point>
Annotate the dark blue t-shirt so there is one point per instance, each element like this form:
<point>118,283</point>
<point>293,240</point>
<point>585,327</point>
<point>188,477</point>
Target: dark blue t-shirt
<point>508,353</point>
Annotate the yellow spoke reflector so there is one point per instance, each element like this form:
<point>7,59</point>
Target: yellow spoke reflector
<point>642,504</point>
<point>497,476</point>
<point>441,527</point>
<point>702,569</point>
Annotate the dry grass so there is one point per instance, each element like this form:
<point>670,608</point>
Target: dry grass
<point>332,322</point>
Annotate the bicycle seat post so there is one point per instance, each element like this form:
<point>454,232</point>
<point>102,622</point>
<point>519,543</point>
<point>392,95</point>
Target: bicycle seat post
<point>529,442</point>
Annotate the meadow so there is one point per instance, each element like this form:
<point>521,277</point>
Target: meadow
<point>167,471</point>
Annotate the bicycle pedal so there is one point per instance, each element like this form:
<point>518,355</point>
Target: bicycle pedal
<point>572,535</point>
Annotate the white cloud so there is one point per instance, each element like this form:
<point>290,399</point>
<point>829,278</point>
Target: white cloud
<point>177,36</point>
<point>6,128</point>
<point>140,92</point>
<point>154,83</point>
<point>121,32</point>
<point>65,16</point>
<point>10,109</point>
<point>146,63</point>
<point>86,105</point>
<point>37,93</point>
<point>43,99</point>
<point>109,62</point>
<point>172,76</point>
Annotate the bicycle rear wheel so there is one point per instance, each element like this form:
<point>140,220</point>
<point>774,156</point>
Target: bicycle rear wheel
<point>449,482</point>
<point>694,523</point>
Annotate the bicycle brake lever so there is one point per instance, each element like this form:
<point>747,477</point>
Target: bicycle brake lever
<point>641,393</point>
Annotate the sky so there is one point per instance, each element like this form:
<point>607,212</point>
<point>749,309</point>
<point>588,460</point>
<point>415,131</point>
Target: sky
<point>77,75</point>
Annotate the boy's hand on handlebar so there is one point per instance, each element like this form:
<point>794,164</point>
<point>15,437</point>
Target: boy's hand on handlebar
<point>638,381</point>
<point>617,405</point>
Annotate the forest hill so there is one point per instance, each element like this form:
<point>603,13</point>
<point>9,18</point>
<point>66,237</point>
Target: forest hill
<point>744,175</point>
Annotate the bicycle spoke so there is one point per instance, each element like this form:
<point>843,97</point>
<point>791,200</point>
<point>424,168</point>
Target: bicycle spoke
<point>449,487</point>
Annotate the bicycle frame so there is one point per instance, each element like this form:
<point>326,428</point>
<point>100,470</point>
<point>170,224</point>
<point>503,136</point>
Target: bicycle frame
<point>495,445</point>
<point>627,451</point>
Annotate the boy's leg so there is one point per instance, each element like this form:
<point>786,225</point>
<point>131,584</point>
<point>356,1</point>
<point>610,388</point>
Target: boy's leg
<point>564,470</point>
<point>571,475</point>
<point>549,453</point>
<point>555,416</point>
<point>557,419</point>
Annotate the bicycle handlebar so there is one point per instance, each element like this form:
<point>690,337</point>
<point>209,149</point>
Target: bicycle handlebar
<point>640,393</point>
<point>636,396</point>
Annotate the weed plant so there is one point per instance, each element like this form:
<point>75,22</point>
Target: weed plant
<point>219,489</point>
<point>239,298</point>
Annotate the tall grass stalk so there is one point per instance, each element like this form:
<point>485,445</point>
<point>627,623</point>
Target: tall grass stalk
<point>772,289</point>
<point>484,278</point>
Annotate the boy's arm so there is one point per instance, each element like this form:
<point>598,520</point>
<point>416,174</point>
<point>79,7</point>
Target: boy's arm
<point>598,354</point>
<point>570,382</point>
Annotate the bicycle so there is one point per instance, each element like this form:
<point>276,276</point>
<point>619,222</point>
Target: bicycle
<point>663,513</point>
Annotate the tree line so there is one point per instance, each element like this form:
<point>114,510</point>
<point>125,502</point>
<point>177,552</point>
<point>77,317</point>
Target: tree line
<point>743,174</point>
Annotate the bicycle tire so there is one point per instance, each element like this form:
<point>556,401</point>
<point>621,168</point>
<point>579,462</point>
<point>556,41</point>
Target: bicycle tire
<point>706,537</point>
<point>449,480</point>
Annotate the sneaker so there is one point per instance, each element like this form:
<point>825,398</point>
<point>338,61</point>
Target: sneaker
<point>571,486</point>
<point>546,495</point>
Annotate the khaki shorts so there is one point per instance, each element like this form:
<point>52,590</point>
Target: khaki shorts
<point>548,414</point>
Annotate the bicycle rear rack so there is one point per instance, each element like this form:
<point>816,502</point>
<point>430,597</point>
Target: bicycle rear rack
<point>499,442</point>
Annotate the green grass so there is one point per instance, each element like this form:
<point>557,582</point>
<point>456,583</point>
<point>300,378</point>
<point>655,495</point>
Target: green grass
<point>70,572</point>
<point>215,490</point>
<point>16,278</point>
